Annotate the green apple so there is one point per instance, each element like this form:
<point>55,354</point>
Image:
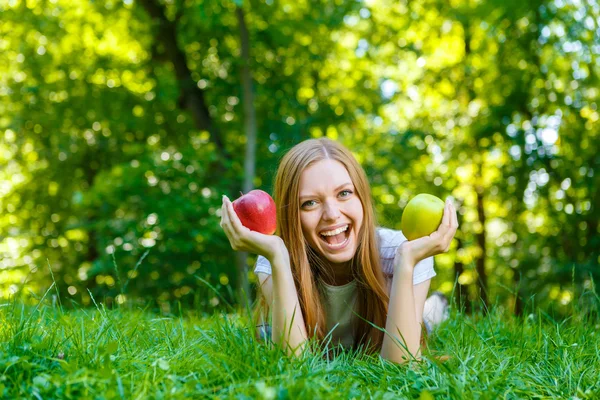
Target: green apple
<point>422,216</point>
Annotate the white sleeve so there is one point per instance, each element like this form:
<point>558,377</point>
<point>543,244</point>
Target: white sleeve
<point>262,265</point>
<point>423,271</point>
<point>389,240</point>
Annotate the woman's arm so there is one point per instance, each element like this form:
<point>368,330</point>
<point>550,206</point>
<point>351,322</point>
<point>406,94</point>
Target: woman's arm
<point>405,313</point>
<point>404,321</point>
<point>288,322</point>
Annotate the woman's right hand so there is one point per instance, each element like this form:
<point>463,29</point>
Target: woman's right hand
<point>244,239</point>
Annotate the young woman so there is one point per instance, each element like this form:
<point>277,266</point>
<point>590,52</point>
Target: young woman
<point>330,272</point>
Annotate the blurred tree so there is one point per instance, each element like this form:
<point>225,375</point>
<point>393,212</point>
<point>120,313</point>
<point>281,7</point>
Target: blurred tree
<point>122,124</point>
<point>250,129</point>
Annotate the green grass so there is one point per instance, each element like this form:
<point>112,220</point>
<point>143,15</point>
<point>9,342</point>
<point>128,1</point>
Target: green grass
<point>130,353</point>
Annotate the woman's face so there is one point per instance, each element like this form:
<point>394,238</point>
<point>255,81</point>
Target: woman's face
<point>331,213</point>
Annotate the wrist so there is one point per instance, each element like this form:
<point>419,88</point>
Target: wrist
<point>405,255</point>
<point>279,253</point>
<point>404,265</point>
<point>281,268</point>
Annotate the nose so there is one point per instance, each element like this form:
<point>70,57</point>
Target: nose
<point>331,211</point>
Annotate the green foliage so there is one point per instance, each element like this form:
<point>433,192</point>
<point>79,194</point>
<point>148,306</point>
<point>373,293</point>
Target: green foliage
<point>102,157</point>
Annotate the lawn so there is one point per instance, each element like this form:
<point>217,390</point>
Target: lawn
<point>132,353</point>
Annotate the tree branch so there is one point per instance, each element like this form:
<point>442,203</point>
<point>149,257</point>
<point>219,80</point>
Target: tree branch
<point>192,97</point>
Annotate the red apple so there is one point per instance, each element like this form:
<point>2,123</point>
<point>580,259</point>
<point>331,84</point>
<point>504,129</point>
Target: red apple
<point>256,210</point>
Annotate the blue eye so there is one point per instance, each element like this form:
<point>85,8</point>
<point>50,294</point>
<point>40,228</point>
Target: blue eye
<point>306,202</point>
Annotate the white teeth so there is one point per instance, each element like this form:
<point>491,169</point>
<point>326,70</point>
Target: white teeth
<point>335,231</point>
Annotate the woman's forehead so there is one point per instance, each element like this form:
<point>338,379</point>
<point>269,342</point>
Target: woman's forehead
<point>324,175</point>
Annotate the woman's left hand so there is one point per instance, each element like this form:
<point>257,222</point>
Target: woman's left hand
<point>413,251</point>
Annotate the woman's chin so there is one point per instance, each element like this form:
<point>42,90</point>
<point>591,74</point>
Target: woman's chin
<point>339,258</point>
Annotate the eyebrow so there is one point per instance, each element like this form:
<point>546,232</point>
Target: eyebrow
<point>335,190</point>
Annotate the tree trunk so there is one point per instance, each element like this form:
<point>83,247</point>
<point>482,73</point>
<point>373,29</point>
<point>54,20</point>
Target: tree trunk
<point>92,253</point>
<point>518,307</point>
<point>478,161</point>
<point>480,264</point>
<point>191,96</point>
<point>462,298</point>
<point>250,128</point>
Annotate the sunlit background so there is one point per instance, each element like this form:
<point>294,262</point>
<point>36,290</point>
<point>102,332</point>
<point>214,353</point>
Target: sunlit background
<point>122,123</point>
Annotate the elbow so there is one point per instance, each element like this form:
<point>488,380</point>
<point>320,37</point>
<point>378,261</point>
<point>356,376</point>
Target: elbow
<point>401,359</point>
<point>399,352</point>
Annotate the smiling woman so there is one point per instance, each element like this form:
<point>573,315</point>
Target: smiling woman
<point>330,272</point>
<point>332,217</point>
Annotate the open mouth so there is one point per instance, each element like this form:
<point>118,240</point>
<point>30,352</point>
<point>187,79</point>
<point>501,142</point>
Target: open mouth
<point>338,240</point>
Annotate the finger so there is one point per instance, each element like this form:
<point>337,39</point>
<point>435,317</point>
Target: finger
<point>453,223</point>
<point>236,224</point>
<point>446,217</point>
<point>225,222</point>
<point>231,219</point>
<point>453,227</point>
<point>222,212</point>
<point>225,211</point>
<point>444,225</point>
<point>455,216</point>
